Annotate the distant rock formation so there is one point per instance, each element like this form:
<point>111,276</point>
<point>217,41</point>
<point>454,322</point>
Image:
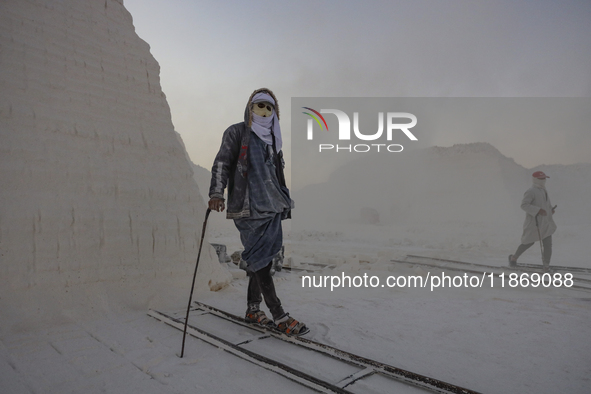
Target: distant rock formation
<point>96,187</point>
<point>203,177</point>
<point>457,185</point>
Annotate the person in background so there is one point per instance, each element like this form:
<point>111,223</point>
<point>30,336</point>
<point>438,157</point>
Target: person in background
<point>539,223</point>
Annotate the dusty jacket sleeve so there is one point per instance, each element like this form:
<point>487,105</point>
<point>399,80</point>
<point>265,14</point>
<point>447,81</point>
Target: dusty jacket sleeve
<point>224,163</point>
<point>527,203</point>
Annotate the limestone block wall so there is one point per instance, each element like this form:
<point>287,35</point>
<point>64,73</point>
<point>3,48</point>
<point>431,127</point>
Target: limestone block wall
<point>95,184</point>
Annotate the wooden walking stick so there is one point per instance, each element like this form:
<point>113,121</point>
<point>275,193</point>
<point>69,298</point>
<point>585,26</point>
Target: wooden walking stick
<point>193,285</point>
<point>540,238</point>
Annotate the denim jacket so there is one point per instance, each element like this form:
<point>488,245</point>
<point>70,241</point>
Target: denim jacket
<point>230,167</point>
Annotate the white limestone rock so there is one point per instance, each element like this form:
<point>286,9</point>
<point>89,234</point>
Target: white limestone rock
<point>97,199</point>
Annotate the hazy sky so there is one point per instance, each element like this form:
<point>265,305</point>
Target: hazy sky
<point>213,54</point>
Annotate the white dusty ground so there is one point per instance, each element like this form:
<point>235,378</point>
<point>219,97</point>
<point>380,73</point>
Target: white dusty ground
<point>496,340</point>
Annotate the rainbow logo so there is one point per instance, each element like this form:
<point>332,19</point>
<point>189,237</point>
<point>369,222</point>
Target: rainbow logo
<point>315,118</point>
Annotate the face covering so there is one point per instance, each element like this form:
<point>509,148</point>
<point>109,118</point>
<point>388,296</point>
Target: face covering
<point>262,109</point>
<point>262,126</point>
<point>541,183</point>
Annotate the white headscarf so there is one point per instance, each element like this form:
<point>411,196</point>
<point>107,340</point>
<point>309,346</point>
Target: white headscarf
<point>262,126</point>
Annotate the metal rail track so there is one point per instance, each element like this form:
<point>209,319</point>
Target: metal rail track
<point>267,363</point>
<point>583,283</point>
<point>367,367</point>
<point>527,266</point>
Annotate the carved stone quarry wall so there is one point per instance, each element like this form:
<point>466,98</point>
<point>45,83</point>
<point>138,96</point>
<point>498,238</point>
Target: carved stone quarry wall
<point>97,201</point>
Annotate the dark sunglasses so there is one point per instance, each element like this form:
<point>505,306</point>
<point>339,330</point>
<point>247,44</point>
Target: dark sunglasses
<point>262,105</point>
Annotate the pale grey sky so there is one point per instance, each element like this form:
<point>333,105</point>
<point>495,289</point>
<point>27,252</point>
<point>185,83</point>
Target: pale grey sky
<point>213,54</point>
